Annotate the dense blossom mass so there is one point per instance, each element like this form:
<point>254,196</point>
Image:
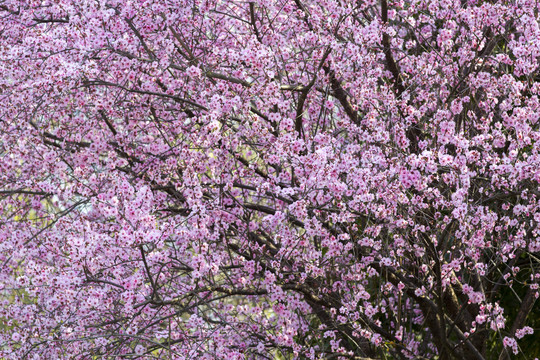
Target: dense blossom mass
<point>269,179</point>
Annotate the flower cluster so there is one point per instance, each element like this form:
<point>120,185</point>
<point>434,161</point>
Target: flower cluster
<point>203,179</point>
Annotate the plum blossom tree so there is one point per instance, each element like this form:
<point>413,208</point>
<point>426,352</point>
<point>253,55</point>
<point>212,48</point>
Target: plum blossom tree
<point>286,179</point>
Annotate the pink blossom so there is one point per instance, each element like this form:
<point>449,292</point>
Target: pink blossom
<point>231,180</point>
